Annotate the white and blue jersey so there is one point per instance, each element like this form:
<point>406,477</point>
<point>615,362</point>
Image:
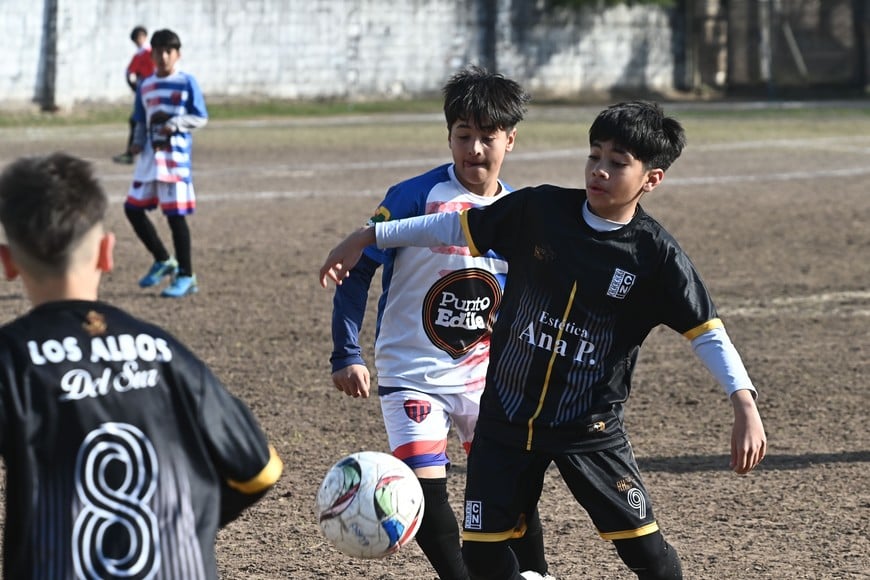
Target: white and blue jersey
<point>167,159</point>
<point>438,304</point>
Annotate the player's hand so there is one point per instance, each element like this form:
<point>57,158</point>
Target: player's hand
<point>353,380</point>
<point>748,441</point>
<point>345,255</point>
<point>160,117</point>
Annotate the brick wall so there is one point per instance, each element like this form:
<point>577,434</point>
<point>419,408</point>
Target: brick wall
<point>356,49</point>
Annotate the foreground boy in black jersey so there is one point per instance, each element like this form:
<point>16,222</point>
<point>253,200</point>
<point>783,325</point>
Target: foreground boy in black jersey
<point>590,275</point>
<point>124,454</point>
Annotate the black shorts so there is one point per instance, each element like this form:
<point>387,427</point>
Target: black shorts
<point>504,483</point>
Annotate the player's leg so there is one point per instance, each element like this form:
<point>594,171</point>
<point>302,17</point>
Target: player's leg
<point>140,198</point>
<point>650,557</point>
<point>607,483</point>
<point>528,549</point>
<point>181,242</point>
<point>177,201</point>
<point>127,156</point>
<point>503,485</point>
<point>417,426</point>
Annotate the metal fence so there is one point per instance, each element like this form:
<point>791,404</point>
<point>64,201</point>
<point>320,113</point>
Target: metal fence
<point>778,44</point>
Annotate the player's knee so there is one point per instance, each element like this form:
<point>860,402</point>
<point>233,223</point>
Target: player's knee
<point>650,557</point>
<point>133,212</point>
<point>135,215</point>
<point>177,221</point>
<point>489,560</point>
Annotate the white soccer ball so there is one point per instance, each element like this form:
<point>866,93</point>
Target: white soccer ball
<point>370,504</point>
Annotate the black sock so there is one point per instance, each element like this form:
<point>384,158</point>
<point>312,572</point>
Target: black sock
<point>146,232</point>
<point>181,240</point>
<point>438,535</point>
<point>529,549</point>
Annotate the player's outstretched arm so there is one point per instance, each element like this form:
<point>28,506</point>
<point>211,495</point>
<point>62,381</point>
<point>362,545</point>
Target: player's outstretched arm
<point>345,255</point>
<point>748,441</point>
<point>353,380</point>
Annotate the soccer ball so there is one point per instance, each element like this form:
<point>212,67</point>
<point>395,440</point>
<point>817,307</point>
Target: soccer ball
<point>370,504</point>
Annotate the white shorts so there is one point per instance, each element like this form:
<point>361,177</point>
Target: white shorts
<point>418,424</point>
<point>174,198</point>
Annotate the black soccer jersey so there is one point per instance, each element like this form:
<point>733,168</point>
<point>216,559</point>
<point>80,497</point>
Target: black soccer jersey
<point>577,305</point>
<point>119,446</point>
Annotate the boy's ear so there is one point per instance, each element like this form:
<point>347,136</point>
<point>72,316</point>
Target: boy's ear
<point>106,260</point>
<point>511,139</point>
<point>653,178</point>
<point>9,267</point>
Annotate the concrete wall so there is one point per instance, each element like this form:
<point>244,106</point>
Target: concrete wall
<point>349,49</point>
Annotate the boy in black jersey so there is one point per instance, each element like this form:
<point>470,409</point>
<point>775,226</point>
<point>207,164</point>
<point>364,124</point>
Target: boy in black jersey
<point>590,275</point>
<point>124,453</point>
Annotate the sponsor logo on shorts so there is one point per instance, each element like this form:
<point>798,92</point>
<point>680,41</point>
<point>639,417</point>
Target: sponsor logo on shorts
<point>473,515</point>
<point>459,309</point>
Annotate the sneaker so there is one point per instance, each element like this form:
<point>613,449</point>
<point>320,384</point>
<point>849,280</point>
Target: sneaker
<point>532,575</point>
<point>158,271</point>
<point>123,159</point>
<point>181,286</point>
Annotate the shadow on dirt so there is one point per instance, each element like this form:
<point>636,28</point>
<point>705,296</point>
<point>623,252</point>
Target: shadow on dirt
<point>695,463</point>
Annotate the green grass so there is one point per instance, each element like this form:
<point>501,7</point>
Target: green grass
<point>561,124</point>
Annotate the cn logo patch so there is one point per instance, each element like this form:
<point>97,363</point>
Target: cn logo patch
<point>417,411</point>
<point>620,284</point>
<point>473,515</point>
<point>459,309</point>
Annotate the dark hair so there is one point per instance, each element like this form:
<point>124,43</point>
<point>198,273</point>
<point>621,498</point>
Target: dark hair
<point>47,205</point>
<point>165,38</point>
<point>487,99</point>
<point>642,128</point>
<point>137,31</point>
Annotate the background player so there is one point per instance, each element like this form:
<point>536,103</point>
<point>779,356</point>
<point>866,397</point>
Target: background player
<point>591,274</point>
<point>169,105</point>
<point>431,372</point>
<point>141,66</point>
<point>123,452</point>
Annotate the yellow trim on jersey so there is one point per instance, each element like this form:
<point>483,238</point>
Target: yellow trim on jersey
<point>263,480</point>
<point>550,368</point>
<point>463,222</point>
<point>628,534</point>
<point>694,333</point>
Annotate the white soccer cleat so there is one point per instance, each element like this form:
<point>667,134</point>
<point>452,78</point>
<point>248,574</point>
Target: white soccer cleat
<point>532,575</point>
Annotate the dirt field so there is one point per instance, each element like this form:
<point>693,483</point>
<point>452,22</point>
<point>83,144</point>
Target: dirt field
<point>773,207</point>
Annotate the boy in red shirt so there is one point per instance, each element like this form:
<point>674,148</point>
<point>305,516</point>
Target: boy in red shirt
<point>141,66</point>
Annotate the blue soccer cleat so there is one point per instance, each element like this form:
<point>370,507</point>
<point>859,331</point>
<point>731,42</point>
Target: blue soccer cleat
<point>181,286</point>
<point>158,271</point>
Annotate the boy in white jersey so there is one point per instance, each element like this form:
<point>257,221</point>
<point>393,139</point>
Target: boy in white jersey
<point>591,274</point>
<point>169,106</point>
<point>436,312</point>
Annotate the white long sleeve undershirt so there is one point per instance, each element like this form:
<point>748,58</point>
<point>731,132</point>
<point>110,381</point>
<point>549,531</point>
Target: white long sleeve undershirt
<point>714,347</point>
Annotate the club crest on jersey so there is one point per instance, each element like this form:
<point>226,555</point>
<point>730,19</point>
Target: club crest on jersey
<point>417,411</point>
<point>620,284</point>
<point>95,323</point>
<point>459,309</point>
<point>381,215</point>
